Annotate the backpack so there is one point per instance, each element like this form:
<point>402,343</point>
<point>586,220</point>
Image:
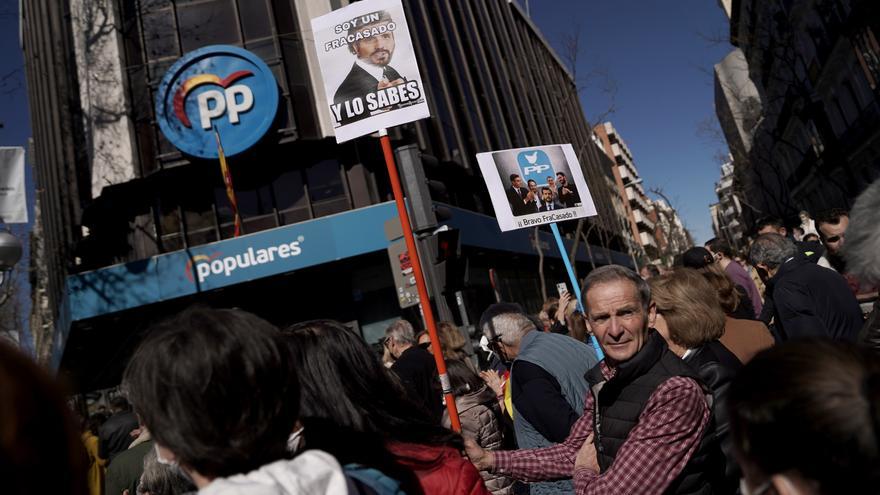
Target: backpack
<point>363,480</point>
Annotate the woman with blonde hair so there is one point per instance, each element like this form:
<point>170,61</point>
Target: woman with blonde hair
<point>690,319</point>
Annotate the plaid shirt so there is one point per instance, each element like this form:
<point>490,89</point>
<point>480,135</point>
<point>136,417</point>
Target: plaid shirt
<point>655,452</point>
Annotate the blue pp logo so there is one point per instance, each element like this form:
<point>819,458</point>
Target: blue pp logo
<point>216,87</point>
<point>535,165</point>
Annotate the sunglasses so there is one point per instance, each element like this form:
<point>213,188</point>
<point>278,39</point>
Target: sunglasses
<point>833,238</point>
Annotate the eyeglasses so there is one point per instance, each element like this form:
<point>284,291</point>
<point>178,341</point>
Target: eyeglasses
<point>386,342</point>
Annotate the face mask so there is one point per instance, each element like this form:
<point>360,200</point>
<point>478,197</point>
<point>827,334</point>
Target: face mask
<point>174,466</point>
<point>295,442</point>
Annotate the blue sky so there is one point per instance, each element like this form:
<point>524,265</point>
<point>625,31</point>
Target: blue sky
<point>662,67</point>
<point>14,117</point>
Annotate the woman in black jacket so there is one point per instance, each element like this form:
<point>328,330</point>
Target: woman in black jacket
<point>690,319</point>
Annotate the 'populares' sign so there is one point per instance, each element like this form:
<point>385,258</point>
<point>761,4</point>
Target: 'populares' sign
<point>370,71</point>
<point>222,87</point>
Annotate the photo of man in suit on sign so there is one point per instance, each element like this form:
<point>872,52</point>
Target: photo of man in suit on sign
<point>371,70</point>
<point>519,196</point>
<point>547,203</point>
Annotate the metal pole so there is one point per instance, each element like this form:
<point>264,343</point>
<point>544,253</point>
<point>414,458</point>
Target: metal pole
<point>424,300</point>
<point>575,286</point>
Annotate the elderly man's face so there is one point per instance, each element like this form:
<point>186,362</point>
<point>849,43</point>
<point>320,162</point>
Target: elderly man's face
<point>834,235</point>
<point>376,50</point>
<point>617,319</point>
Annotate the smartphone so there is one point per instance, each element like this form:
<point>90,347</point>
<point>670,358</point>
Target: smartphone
<point>561,287</point>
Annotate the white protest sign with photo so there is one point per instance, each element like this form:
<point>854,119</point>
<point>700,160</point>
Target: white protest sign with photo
<point>369,67</point>
<point>13,198</point>
<point>536,186</point>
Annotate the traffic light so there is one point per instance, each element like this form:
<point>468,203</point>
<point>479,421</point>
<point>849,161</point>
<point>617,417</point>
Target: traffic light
<point>447,266</point>
<point>419,190</point>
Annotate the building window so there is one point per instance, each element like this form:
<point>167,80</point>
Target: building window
<point>207,22</point>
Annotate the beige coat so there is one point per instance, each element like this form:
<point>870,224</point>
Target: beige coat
<point>745,338</point>
<point>478,415</point>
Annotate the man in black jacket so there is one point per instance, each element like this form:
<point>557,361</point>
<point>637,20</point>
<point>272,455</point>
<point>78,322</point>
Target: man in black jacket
<point>807,300</point>
<point>415,367</point>
<point>114,436</point>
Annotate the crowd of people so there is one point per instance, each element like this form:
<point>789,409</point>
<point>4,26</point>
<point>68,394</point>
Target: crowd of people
<point>725,374</point>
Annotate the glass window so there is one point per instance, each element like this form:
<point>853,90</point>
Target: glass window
<point>160,36</point>
<point>289,192</point>
<point>209,22</point>
<point>325,181</point>
<point>254,19</point>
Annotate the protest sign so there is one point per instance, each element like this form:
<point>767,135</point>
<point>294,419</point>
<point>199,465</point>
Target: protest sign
<point>536,186</point>
<point>369,67</point>
<point>13,202</point>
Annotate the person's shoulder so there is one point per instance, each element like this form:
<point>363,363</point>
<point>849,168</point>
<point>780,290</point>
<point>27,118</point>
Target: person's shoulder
<point>130,460</point>
<point>313,471</point>
<point>679,387</point>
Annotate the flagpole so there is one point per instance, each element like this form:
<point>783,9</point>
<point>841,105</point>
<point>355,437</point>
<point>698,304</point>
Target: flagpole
<point>227,181</point>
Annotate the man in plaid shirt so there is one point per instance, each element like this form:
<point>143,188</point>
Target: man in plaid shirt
<point>649,432</point>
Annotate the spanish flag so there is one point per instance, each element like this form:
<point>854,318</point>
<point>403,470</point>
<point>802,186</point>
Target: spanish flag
<point>227,180</point>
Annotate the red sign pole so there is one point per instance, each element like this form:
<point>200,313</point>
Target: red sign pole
<point>420,279</point>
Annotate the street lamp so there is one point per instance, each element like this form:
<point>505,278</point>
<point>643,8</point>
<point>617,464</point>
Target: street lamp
<point>10,253</point>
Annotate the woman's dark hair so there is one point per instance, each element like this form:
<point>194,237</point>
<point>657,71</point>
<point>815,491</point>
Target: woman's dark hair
<point>812,406</point>
<point>94,422</point>
<point>217,388</point>
<point>350,405</point>
<point>40,446</point>
<point>462,378</point>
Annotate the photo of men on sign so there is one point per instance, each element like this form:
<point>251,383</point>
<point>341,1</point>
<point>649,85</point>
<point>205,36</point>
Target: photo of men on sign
<point>534,186</point>
<point>370,72</point>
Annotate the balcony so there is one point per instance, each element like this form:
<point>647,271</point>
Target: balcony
<point>643,219</point>
<point>647,240</point>
<point>637,198</point>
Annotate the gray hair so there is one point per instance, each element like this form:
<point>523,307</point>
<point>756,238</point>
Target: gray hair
<point>862,247</point>
<point>771,250</point>
<point>159,479</point>
<point>616,273</point>
<point>401,331</point>
<point>509,327</point>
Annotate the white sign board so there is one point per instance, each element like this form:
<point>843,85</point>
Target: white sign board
<point>370,72</point>
<point>536,186</point>
<point>13,199</point>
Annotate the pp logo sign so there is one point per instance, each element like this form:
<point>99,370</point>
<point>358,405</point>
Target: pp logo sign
<point>216,87</point>
<point>213,103</point>
<point>535,165</point>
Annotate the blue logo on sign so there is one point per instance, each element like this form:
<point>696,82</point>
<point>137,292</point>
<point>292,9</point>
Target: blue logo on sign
<point>535,165</point>
<point>222,87</point>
